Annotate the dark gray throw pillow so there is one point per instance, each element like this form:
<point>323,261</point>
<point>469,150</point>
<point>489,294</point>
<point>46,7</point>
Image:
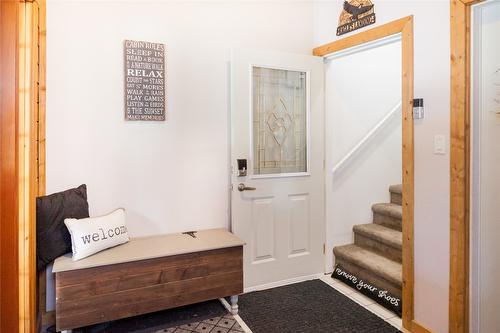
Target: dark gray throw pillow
<point>52,236</point>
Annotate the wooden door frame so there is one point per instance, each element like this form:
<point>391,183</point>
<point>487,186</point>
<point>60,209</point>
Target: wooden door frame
<point>460,159</point>
<point>403,26</point>
<point>22,114</point>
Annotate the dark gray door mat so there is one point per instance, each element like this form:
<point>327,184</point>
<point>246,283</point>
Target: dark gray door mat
<point>307,307</point>
<point>207,317</point>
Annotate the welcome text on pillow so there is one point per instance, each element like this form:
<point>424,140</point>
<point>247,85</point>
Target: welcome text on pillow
<point>96,237</point>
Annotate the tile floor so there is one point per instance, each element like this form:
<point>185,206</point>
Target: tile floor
<point>225,324</point>
<point>366,302</point>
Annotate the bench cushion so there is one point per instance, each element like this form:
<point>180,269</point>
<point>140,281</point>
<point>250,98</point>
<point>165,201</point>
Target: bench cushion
<point>152,247</point>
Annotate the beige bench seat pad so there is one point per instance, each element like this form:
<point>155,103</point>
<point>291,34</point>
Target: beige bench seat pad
<point>143,248</point>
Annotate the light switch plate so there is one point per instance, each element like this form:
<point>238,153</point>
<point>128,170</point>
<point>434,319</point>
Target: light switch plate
<point>439,144</point>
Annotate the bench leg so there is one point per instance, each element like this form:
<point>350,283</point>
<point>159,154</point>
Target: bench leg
<point>234,305</point>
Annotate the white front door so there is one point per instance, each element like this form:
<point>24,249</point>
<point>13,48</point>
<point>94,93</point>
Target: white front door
<point>277,201</point>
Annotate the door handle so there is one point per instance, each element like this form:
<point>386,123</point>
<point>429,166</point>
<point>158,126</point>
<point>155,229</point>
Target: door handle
<point>242,187</point>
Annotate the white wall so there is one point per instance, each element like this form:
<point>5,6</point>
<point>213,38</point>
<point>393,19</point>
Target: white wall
<point>432,81</point>
<point>360,90</point>
<point>170,176</point>
<point>173,175</point>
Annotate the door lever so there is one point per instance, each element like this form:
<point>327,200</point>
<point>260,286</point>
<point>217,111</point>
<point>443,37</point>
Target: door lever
<point>242,187</point>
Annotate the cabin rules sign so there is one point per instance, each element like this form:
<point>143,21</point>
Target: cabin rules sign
<point>145,97</point>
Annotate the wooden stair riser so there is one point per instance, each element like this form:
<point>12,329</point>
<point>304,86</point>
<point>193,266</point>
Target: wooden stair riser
<point>378,247</point>
<point>388,221</point>
<point>367,276</point>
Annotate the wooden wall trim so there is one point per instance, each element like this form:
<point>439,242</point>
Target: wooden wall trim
<point>460,12</point>
<point>419,328</point>
<point>42,88</point>
<point>458,200</point>
<point>403,26</point>
<point>408,174</point>
<point>45,318</point>
<point>27,116</point>
<point>381,31</point>
<point>470,2</point>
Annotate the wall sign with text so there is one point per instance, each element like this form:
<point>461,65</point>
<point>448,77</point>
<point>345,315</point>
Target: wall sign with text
<point>145,97</point>
<point>356,14</point>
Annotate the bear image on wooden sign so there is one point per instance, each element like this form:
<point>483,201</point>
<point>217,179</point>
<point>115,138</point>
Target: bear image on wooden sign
<point>355,14</point>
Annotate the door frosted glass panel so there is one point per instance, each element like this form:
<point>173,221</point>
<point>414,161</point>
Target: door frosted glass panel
<point>279,121</point>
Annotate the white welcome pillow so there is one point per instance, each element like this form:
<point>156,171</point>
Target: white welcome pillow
<point>93,234</point>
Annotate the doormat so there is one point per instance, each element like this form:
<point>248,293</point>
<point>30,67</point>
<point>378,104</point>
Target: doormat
<point>379,295</point>
<point>307,307</point>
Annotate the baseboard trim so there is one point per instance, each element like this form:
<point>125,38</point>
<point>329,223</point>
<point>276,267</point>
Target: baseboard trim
<point>283,282</point>
<point>418,328</point>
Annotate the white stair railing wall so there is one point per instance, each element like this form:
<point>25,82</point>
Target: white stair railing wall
<point>367,138</point>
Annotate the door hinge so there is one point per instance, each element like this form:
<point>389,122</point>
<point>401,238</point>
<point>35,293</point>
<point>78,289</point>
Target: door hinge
<point>324,248</point>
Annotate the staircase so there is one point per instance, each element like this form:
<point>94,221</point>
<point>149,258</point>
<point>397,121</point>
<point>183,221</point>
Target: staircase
<point>376,254</point>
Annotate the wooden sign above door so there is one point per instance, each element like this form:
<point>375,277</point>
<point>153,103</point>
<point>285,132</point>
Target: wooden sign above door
<point>356,14</point>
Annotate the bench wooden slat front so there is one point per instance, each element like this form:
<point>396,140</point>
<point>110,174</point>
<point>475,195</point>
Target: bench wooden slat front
<point>95,294</point>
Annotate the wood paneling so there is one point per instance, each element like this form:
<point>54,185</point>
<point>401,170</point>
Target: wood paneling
<point>18,181</point>
<point>403,26</point>
<point>460,12</point>
<point>106,293</point>
<point>9,279</point>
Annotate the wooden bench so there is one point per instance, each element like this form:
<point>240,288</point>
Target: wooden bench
<point>148,274</point>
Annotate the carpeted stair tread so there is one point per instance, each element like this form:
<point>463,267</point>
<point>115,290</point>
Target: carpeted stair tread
<point>389,209</point>
<point>398,189</point>
<point>386,269</point>
<point>379,233</point>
